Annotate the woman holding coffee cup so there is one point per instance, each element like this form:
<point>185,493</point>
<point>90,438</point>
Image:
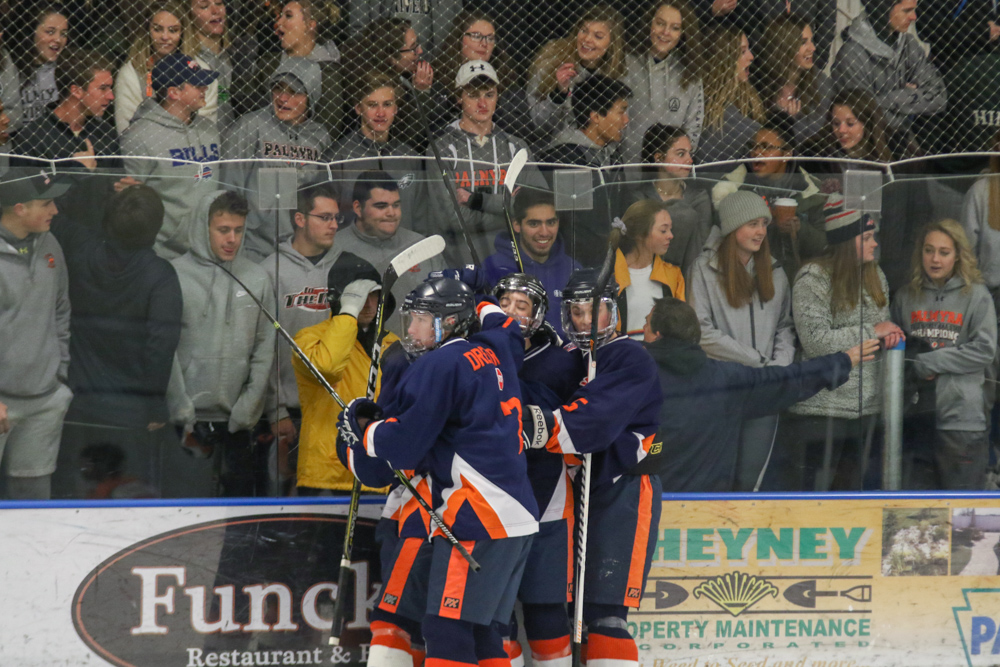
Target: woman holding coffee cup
<point>744,303</point>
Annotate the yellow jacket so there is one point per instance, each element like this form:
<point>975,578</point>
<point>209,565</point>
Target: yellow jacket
<point>332,345</point>
<point>663,273</point>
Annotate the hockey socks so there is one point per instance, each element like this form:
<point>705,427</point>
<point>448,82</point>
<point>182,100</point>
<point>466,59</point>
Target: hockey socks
<point>609,643</point>
<point>547,628</point>
<point>396,641</point>
<point>490,647</point>
<point>450,642</point>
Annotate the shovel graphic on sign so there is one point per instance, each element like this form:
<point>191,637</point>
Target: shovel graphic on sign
<point>804,593</point>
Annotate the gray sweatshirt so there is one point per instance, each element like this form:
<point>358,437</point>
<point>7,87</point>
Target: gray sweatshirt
<point>38,92</point>
<point>431,19</point>
<point>477,164</point>
<point>276,144</point>
<point>658,97</point>
<point>379,253</point>
<point>34,317</point>
<point>728,142</point>
<point>553,113</point>
<point>226,348</point>
<point>301,303</point>
<point>821,332</point>
<point>868,63</point>
<point>220,63</point>
<point>962,326</point>
<point>393,157</point>
<point>180,175</point>
<point>758,334</point>
<point>10,90</point>
<point>984,239</point>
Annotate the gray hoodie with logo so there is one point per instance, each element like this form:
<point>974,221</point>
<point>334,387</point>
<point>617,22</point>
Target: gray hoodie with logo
<point>226,347</point>
<point>176,159</point>
<point>659,97</point>
<point>961,325</point>
<point>868,63</point>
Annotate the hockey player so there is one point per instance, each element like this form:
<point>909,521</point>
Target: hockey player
<point>548,378</point>
<point>614,417</point>
<point>456,415</point>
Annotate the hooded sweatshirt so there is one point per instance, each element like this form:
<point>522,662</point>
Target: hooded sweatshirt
<point>327,109</point>
<point>393,157</point>
<point>984,239</point>
<point>182,177</point>
<point>38,92</point>
<point>226,347</point>
<point>10,89</point>
<point>276,144</point>
<point>479,165</point>
<point>218,105</point>
<point>430,19</point>
<point>821,332</point>
<point>728,142</point>
<point>757,334</point>
<point>34,316</point>
<point>961,326</point>
<point>871,62</point>
<point>659,97</point>
<point>301,303</point>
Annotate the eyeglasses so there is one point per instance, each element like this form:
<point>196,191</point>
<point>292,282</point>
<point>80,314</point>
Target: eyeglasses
<point>328,218</point>
<point>414,49</point>
<point>481,38</point>
<point>762,147</point>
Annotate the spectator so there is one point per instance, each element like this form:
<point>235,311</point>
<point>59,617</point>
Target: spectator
<point>837,299</point>
<point>597,46</point>
<point>744,307</point>
<point>5,146</point>
<point>856,129</point>
<point>125,324</point>
<point>981,221</point>
<point>882,59</point>
<point>773,175</point>
<point>707,402</point>
<point>663,76</point>
<point>37,39</point>
<point>340,346</point>
<point>542,250</point>
<point>640,271</point>
<point>375,103</point>
<point>733,110</point>
<point>790,81</point>
<point>391,45</point>
<point>430,19</point>
<point>282,133</point>
<point>298,28</point>
<point>474,36</point>
<point>299,270</point>
<point>167,126</point>
<point>35,326</point>
<point>226,347</point>
<point>477,156</point>
<point>947,306</point>
<point>208,42</point>
<point>10,87</point>
<point>161,34</point>
<point>376,236</point>
<point>600,113</point>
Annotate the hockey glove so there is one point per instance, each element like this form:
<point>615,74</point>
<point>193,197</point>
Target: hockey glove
<point>349,424</point>
<point>354,297</point>
<point>470,275</point>
<point>536,426</point>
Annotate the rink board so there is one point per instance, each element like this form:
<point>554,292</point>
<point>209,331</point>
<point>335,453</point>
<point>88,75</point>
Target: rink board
<point>762,581</point>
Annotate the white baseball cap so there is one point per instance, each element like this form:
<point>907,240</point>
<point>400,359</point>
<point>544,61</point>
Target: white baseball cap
<point>473,69</point>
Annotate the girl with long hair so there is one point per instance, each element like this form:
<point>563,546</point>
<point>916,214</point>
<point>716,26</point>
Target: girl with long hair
<point>641,273</point>
<point>733,110</point>
<point>663,76</point>
<point>790,82</point>
<point>947,308</point>
<point>160,34</point>
<point>855,129</point>
<point>981,221</point>
<point>838,299</point>
<point>208,42</point>
<point>37,37</point>
<point>596,46</point>
<point>743,301</point>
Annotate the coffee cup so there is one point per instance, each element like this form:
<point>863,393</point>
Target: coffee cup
<point>784,209</point>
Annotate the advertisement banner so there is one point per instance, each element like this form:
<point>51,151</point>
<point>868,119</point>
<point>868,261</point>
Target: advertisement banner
<point>823,583</point>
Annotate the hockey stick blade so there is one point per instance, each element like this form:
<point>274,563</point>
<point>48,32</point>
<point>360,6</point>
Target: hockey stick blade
<point>514,169</point>
<point>420,251</point>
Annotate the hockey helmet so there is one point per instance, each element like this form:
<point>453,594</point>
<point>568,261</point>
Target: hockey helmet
<point>447,305</point>
<point>531,287</point>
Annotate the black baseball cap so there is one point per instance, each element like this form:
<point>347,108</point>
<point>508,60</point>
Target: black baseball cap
<point>178,69</point>
<point>20,189</point>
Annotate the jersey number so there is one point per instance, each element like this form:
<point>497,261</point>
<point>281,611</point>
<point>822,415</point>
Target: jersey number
<point>509,407</point>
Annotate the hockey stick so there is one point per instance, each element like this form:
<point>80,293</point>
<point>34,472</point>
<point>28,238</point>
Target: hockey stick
<point>333,393</point>
<point>509,181</point>
<point>401,263</point>
<point>444,174</point>
<point>614,238</point>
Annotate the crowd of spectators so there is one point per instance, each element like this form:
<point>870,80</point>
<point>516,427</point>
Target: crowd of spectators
<point>194,156</point>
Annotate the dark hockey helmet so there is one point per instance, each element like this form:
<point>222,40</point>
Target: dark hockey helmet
<point>446,306</point>
<point>578,298</point>
<point>530,286</point>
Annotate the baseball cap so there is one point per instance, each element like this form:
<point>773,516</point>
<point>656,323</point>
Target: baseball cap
<point>19,189</point>
<point>177,69</point>
<point>473,69</point>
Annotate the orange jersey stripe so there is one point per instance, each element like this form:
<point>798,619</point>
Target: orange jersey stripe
<point>400,573</point>
<point>454,585</point>
<point>633,591</point>
<point>468,493</point>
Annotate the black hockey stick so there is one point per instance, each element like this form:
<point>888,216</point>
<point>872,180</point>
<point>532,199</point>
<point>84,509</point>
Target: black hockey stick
<point>586,468</point>
<point>444,175</point>
<point>333,393</point>
<point>404,261</point>
<point>509,181</point>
